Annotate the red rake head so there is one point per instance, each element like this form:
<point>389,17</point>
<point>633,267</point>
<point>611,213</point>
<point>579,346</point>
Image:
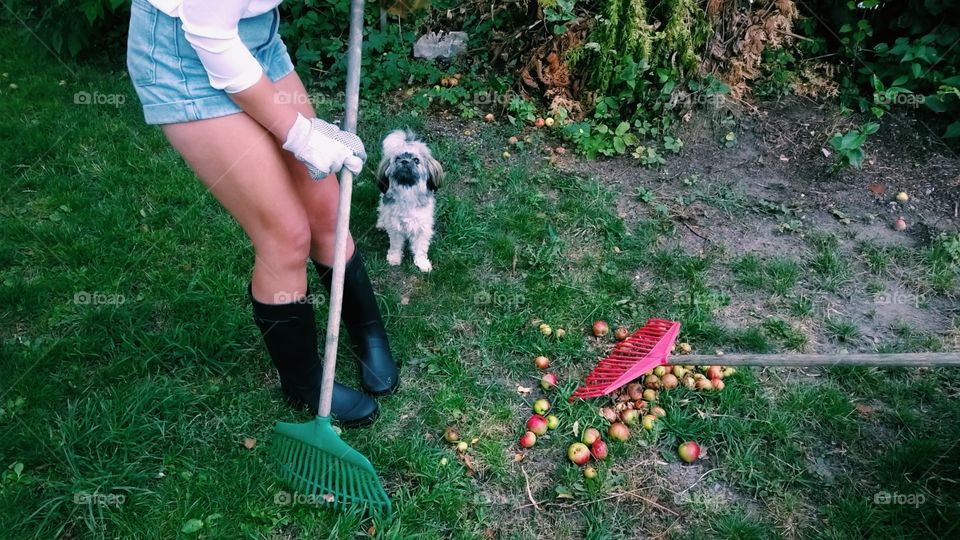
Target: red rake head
<point>647,348</point>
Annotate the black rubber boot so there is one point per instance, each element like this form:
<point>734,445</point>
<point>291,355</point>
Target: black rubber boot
<point>361,317</point>
<point>290,334</point>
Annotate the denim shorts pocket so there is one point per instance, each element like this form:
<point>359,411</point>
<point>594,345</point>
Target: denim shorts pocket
<point>141,43</point>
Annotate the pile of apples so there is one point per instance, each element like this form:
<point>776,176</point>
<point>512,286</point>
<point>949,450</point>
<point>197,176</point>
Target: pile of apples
<point>540,422</point>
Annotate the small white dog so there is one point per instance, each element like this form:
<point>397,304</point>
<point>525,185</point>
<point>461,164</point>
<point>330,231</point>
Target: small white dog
<point>407,177</point>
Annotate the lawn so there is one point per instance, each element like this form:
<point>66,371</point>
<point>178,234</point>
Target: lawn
<point>131,374</point>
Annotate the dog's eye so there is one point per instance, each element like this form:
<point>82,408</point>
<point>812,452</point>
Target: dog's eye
<point>416,160</point>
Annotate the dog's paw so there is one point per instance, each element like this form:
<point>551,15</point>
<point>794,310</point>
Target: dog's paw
<point>394,257</point>
<point>423,264</point>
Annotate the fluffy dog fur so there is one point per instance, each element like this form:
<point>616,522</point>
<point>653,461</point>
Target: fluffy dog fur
<point>408,177</point>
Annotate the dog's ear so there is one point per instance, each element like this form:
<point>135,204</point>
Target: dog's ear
<point>383,183</point>
<point>436,173</point>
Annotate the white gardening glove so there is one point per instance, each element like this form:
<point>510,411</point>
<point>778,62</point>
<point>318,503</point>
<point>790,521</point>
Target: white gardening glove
<point>324,148</point>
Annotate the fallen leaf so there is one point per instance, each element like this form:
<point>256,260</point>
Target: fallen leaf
<point>826,153</point>
<point>468,462</point>
<point>877,189</point>
<point>519,456</point>
<point>249,443</point>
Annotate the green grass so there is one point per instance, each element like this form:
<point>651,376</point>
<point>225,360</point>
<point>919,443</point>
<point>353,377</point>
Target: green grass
<point>125,416</point>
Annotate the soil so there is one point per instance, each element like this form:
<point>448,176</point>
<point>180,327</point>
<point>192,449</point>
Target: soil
<point>780,157</point>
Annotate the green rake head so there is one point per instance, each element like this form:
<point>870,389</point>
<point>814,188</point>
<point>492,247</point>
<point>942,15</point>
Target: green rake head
<point>314,461</point>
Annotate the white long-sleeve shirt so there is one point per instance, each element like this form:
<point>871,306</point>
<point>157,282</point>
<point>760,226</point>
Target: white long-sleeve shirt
<point>211,28</point>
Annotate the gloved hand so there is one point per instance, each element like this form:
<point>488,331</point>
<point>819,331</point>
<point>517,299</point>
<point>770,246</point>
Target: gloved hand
<point>324,148</point>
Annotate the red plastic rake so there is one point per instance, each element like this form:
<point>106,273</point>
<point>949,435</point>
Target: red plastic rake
<point>647,348</point>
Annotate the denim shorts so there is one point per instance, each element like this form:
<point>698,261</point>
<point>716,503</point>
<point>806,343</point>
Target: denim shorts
<point>168,76</point>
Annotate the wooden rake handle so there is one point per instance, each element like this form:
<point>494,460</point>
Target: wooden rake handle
<point>840,359</point>
<point>351,108</point>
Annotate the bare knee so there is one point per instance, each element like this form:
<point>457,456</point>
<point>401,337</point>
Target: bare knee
<point>285,244</point>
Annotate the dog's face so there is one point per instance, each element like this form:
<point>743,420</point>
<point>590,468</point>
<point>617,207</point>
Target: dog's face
<point>407,162</point>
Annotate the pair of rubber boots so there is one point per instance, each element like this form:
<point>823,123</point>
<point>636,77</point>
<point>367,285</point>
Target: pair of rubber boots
<point>290,335</point>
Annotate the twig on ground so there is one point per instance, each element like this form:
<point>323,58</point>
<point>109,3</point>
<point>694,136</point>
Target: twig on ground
<point>529,493</point>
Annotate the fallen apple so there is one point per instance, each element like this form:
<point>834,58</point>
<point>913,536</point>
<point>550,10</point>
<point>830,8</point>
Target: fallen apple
<point>560,333</point>
<point>689,382</point>
<point>590,435</point>
<point>650,394</point>
<point>685,348</point>
<point>548,121</point>
<point>900,224</point>
<point>669,381</point>
<point>902,196</point>
<point>488,118</point>
<point>689,451</point>
<point>513,140</point>
<point>608,414</point>
<point>600,328</point>
<point>714,372</point>
<point>542,362</point>
<point>659,412</point>
<point>541,406</point>
<point>528,439</point>
<point>578,453</point>
<point>451,435</point>
<point>552,422</point>
<point>635,391</point>
<point>598,450</point>
<point>718,384</point>
<point>619,431</point>
<point>728,371</point>
<point>652,381</point>
<point>462,446</point>
<point>589,472</point>
<point>704,384</point>
<point>538,122</point>
<point>537,424</point>
<point>630,417</point>
<point>679,371</point>
<point>648,421</point>
<point>660,371</point>
<point>621,333</point>
<point>506,155</point>
<point>548,381</point>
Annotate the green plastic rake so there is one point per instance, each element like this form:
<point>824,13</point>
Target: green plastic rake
<point>312,458</point>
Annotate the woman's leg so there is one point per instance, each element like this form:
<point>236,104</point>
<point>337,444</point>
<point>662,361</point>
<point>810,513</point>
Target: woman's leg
<point>361,315</point>
<point>243,167</point>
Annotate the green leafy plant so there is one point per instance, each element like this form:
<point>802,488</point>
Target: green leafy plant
<point>848,146</point>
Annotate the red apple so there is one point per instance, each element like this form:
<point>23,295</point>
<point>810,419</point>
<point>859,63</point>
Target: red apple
<point>451,435</point>
<point>600,328</point>
<point>635,391</point>
<point>714,372</point>
<point>669,381</point>
<point>619,431</point>
<point>590,435</point>
<point>621,333</point>
<point>630,417</point>
<point>718,384</point>
<point>542,362</point>
<point>541,406</point>
<point>578,453</point>
<point>689,451</point>
<point>704,384</point>
<point>537,424</point>
<point>548,381</point>
<point>598,450</point>
<point>528,439</point>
